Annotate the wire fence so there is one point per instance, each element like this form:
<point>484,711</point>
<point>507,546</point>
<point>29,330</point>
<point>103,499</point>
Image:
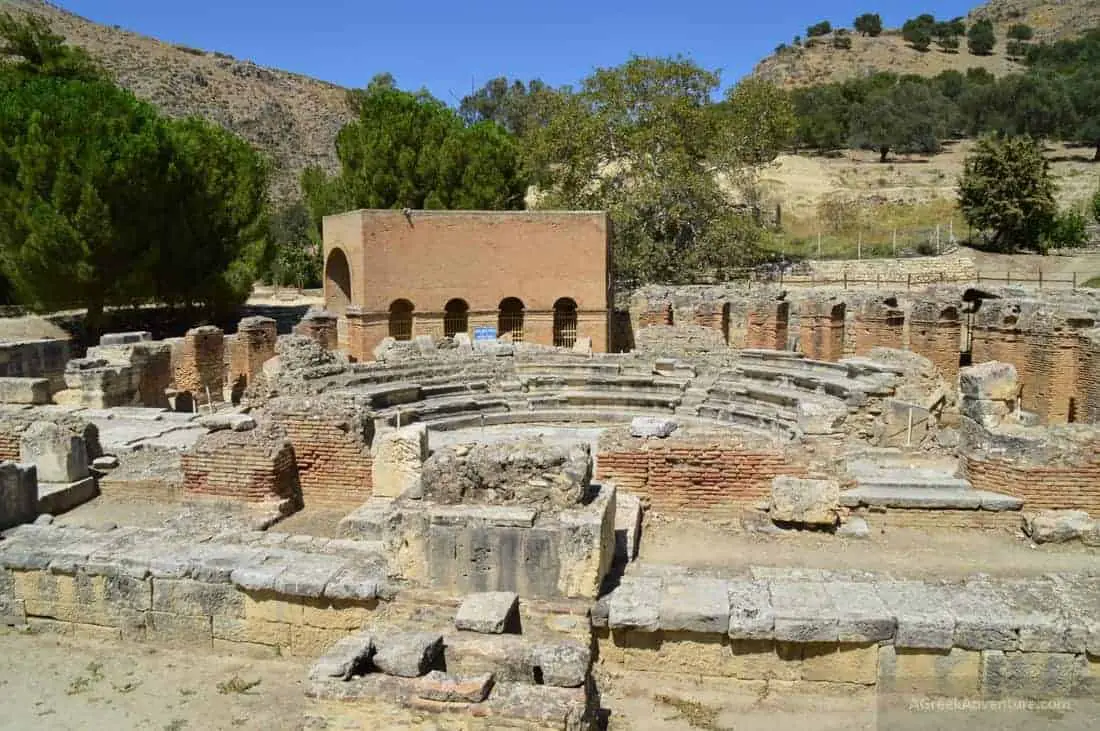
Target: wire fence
<point>792,277</point>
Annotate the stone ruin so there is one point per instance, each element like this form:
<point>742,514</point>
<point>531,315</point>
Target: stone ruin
<point>483,577</point>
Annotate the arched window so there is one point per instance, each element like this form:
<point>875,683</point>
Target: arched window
<point>456,318</point>
<point>401,320</point>
<point>337,282</point>
<point>510,319</point>
<point>565,323</point>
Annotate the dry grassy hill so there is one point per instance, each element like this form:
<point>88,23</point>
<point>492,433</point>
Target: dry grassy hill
<point>292,118</point>
<point>822,63</point>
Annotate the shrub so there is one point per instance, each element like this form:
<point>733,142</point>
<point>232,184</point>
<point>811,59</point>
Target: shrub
<point>981,39</point>
<point>869,24</point>
<point>1021,32</point>
<point>1066,232</point>
<point>1096,206</point>
<point>842,42</point>
<point>823,28</point>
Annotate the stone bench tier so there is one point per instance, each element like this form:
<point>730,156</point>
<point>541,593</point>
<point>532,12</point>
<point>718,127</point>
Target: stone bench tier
<point>647,400</point>
<point>928,497</point>
<point>854,391</point>
<point>653,384</point>
<point>567,368</point>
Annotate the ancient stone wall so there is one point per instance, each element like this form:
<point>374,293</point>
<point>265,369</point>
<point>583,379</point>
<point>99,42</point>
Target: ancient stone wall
<point>1088,376</point>
<point>253,466</point>
<point>331,439</point>
<point>35,359</point>
<point>705,475</point>
<point>322,327</point>
<point>253,346</point>
<point>876,272</point>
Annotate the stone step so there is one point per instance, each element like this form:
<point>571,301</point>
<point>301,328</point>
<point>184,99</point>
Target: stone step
<point>561,368</point>
<point>852,390</point>
<point>628,399</point>
<point>928,498</point>
<point>908,478</point>
<point>451,388</point>
<point>653,384</point>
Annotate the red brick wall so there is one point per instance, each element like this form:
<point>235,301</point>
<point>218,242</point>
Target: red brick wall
<point>248,467</point>
<point>1088,379</point>
<point>201,364</point>
<point>880,327</point>
<point>708,480</point>
<point>662,316</point>
<point>1041,488</point>
<point>768,326</point>
<point>821,333</point>
<point>938,342</point>
<point>253,346</point>
<point>1047,364</point>
<point>9,446</point>
<point>321,329</point>
<point>334,463</point>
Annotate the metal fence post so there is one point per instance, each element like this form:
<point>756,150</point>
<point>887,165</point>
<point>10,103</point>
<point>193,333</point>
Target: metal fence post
<point>845,279</point>
<point>1040,280</point>
<point>909,280</point>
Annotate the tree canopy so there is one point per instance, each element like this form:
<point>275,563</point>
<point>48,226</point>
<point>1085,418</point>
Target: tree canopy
<point>981,38</point>
<point>869,24</point>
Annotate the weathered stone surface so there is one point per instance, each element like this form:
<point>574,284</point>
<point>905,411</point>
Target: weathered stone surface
<point>445,688</point>
<point>106,462</point>
<point>488,612</point>
<point>586,545</point>
<point>695,605</point>
<point>406,654</point>
<point>583,345</point>
<point>1058,526</point>
<point>18,494</point>
<point>797,500</point>
<point>126,338</point>
<point>307,575</point>
<point>820,417</point>
<point>1032,674</point>
<point>507,656</point>
<point>220,422</point>
<point>804,612</point>
<point>636,604</point>
<point>24,390</point>
<point>524,471</point>
<point>992,381</point>
<point>751,615</point>
<point>628,526</point>
<point>652,426</point>
<point>398,461</point>
<point>356,582</point>
<point>59,455</point>
<point>861,615</point>
<point>921,613</point>
<point>563,664</point>
<point>854,527</point>
<point>344,658</point>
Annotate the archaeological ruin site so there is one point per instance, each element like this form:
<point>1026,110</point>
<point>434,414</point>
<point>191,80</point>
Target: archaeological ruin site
<point>480,489</point>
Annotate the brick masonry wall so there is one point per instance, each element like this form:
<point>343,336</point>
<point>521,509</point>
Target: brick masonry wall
<point>938,342</point>
<point>1061,487</point>
<point>1047,365</point>
<point>1088,376</point>
<point>767,326</point>
<point>321,329</point>
<point>9,445</point>
<point>334,463</point>
<point>712,480</point>
<point>200,365</point>
<point>822,336</point>
<point>243,469</point>
<point>250,349</point>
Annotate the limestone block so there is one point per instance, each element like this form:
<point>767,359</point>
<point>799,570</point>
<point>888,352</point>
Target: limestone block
<point>406,654</point>
<point>987,413</point>
<point>651,426</point>
<point>197,598</point>
<point>383,347</point>
<point>841,663</point>
<point>398,461</point>
<point>178,630</point>
<point>583,345</point>
<point>251,631</point>
<point>751,615</point>
<point>344,657</point>
<point>804,612</point>
<point>628,526</point>
<point>861,614</point>
<point>695,605</point>
<point>820,417</point>
<point>798,500</point>
<point>562,664</point>
<point>59,455</point>
<point>221,422</point>
<point>854,527</point>
<point>1090,536</point>
<point>924,620</point>
<point>18,494</point>
<point>126,338</point>
<point>464,343</point>
<point>24,390</point>
<point>446,688</point>
<point>586,547</point>
<point>1058,526</point>
<point>1035,675</point>
<point>425,344</point>
<point>509,657</point>
<point>488,612</point>
<point>635,604</point>
<point>906,672</point>
<point>992,381</point>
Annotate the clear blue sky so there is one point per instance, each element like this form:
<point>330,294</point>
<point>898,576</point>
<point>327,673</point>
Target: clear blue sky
<point>449,45</point>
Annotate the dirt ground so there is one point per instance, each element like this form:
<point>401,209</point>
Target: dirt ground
<point>51,682</point>
<point>902,552</point>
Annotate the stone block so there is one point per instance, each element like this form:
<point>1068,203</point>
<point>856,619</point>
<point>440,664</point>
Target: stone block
<point>987,413</point>
<point>751,615</point>
<point>266,606</point>
<point>628,526</point>
<point>406,654</point>
<point>819,418</point>
<point>197,598</point>
<point>1035,675</point>
<point>221,422</point>
<point>311,642</point>
<point>992,381</point>
<point>509,657</point>
<point>491,612</point>
<point>251,631</point>
<point>803,612</point>
<point>179,630</point>
<point>425,344</point>
<point>306,575</point>
<point>34,391</point>
<point>1058,526</point>
<point>59,455</point>
<point>811,502</point>
<point>447,688</point>
<point>695,605</point>
<point>349,654</point>
<point>841,663</point>
<point>652,426</point>
<point>583,345</point>
<point>398,461</point>
<point>906,672</point>
<point>922,614</point>
<point>18,494</point>
<point>586,545</point>
<point>861,615</point>
<point>562,664</point>
<point>126,338</point>
<point>854,527</point>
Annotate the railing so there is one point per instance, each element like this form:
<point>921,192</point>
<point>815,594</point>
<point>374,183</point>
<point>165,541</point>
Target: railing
<point>1072,281</point>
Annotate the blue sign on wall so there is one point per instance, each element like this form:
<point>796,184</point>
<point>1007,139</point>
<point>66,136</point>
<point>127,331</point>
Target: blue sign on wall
<point>485,333</point>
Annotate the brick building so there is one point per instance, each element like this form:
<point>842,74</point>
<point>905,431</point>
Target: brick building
<point>535,276</point>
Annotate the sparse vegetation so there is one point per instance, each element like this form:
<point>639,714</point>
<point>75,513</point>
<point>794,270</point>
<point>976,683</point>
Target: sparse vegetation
<point>697,715</point>
<point>981,38</point>
<point>1067,231</point>
<point>817,30</point>
<point>869,24</point>
<point>236,684</point>
<point>1021,32</point>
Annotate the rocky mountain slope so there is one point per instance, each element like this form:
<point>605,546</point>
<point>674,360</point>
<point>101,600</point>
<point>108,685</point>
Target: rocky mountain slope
<point>292,118</point>
<point>821,64</point>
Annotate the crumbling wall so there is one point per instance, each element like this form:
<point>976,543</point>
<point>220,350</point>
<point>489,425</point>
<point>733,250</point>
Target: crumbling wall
<point>715,475</point>
<point>35,359</point>
<point>252,466</point>
<point>321,326</point>
<point>199,369</point>
<point>253,346</point>
<point>14,421</point>
<point>332,447</point>
<point>1088,376</point>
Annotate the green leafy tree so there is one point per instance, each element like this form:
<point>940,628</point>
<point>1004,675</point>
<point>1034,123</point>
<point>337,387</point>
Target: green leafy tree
<point>821,114</point>
<point>1006,190</point>
<point>909,116</point>
<point>1036,104</point>
<point>918,32</point>
<point>294,252</point>
<point>981,39</point>
<point>643,141</point>
<point>28,44</point>
<point>869,24</point>
<point>1096,206</point>
<point>513,105</point>
<point>1020,32</point>
<point>1084,94</point>
<point>816,30</point>
<point>1016,49</point>
<point>1068,230</point>
<point>759,120</point>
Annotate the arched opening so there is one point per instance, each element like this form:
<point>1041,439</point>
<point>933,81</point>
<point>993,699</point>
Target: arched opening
<point>456,318</point>
<point>337,282</point>
<point>401,320</point>
<point>565,323</point>
<point>510,319</point>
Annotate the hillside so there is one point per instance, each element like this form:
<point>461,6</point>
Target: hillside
<point>292,118</point>
<point>822,63</point>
